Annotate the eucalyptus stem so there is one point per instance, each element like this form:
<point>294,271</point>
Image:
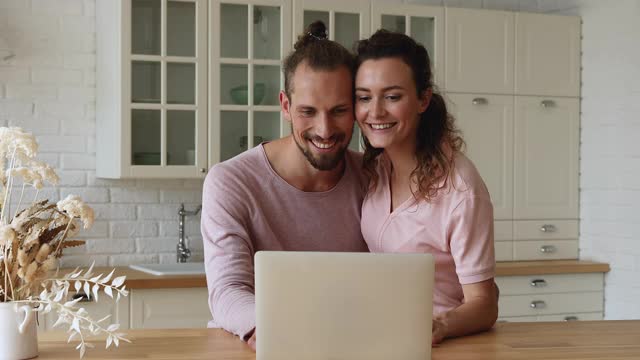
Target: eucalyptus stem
<point>64,235</point>
<point>7,193</point>
<point>19,201</point>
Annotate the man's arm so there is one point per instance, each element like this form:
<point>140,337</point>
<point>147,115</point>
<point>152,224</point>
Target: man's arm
<point>228,252</point>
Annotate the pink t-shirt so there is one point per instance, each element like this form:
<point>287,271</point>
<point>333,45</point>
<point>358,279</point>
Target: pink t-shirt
<point>456,228</point>
<point>248,207</point>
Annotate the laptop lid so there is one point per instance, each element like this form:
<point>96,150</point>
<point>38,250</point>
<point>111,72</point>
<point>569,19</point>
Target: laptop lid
<point>343,306</point>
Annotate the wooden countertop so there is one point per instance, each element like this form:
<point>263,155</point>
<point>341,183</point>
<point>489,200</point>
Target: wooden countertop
<point>140,280</point>
<point>591,340</point>
<point>511,268</point>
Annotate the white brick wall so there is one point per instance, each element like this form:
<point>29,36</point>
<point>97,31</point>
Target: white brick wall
<point>48,87</point>
<point>610,153</point>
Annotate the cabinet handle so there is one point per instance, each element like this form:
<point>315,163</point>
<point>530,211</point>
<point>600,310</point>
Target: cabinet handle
<point>479,101</point>
<point>547,249</point>
<point>547,103</point>
<point>538,283</point>
<point>83,296</point>
<point>548,228</point>
<point>538,304</point>
<point>571,318</point>
<point>203,170</point>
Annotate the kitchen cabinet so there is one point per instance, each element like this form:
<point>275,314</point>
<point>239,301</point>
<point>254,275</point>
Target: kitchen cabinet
<point>546,135</point>
<point>166,308</point>
<point>169,308</point>
<point>423,23</point>
<point>547,55</point>
<point>479,51</point>
<point>486,122</point>
<point>525,147</point>
<point>556,297</point>
<point>346,21</point>
<point>248,40</point>
<point>526,150</point>
<point>547,239</point>
<point>503,239</point>
<point>97,310</point>
<point>151,106</point>
<point>500,52</point>
<point>183,85</point>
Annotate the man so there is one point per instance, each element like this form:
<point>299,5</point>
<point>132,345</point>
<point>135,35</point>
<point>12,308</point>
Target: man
<point>299,193</point>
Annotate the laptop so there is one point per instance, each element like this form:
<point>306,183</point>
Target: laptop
<point>343,306</point>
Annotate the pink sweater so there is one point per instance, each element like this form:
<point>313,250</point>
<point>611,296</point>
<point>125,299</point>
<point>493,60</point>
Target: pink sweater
<point>456,228</point>
<point>247,207</point>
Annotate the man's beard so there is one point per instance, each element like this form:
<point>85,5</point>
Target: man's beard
<point>324,162</point>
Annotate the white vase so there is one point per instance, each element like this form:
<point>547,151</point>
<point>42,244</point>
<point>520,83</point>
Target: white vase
<point>18,333</point>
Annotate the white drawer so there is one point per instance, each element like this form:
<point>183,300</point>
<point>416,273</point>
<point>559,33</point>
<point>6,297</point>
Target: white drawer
<point>545,229</point>
<point>545,284</point>
<point>572,317</point>
<point>563,317</point>
<point>550,304</point>
<point>504,250</point>
<point>545,250</point>
<point>503,230</point>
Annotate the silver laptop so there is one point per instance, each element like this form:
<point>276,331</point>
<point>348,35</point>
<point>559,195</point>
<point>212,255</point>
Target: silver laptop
<point>343,306</point>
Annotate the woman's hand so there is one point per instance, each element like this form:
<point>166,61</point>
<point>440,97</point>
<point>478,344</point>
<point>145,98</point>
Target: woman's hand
<point>438,329</point>
<point>252,342</point>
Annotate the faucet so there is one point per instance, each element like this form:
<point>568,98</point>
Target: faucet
<point>183,252</point>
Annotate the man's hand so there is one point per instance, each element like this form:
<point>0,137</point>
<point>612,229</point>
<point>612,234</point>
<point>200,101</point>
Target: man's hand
<point>438,329</point>
<point>252,342</point>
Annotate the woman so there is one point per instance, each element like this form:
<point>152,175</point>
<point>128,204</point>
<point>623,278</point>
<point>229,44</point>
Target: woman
<point>424,194</point>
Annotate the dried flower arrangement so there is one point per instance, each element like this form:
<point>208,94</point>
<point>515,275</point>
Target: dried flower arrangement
<point>34,238</point>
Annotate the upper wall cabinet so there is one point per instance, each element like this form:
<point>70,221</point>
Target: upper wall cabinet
<point>248,41</point>
<point>423,23</point>
<point>547,55</point>
<point>346,21</point>
<point>479,51</point>
<point>151,88</point>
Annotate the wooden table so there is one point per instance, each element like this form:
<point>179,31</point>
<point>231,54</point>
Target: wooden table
<point>590,340</point>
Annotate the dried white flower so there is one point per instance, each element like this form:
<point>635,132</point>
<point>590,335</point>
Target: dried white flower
<point>7,235</point>
<point>47,172</point>
<point>15,140</point>
<point>74,207</point>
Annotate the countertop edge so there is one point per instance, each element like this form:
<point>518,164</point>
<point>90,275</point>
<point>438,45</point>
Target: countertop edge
<point>140,280</point>
<point>515,268</point>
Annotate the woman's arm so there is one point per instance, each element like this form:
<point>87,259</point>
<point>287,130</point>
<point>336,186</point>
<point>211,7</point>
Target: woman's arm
<point>478,312</point>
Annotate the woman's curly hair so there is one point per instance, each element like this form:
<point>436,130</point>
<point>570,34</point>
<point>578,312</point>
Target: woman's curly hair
<point>437,139</point>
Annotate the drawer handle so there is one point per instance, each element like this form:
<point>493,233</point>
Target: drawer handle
<point>479,101</point>
<point>538,304</point>
<point>547,103</point>
<point>547,249</point>
<point>548,228</point>
<point>83,296</point>
<point>538,283</point>
<point>571,318</point>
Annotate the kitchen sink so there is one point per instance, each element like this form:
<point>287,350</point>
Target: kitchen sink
<point>195,268</point>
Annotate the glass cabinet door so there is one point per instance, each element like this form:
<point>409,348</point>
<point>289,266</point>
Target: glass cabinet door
<point>247,47</point>
<point>167,97</point>
<point>346,21</point>
<point>423,23</point>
